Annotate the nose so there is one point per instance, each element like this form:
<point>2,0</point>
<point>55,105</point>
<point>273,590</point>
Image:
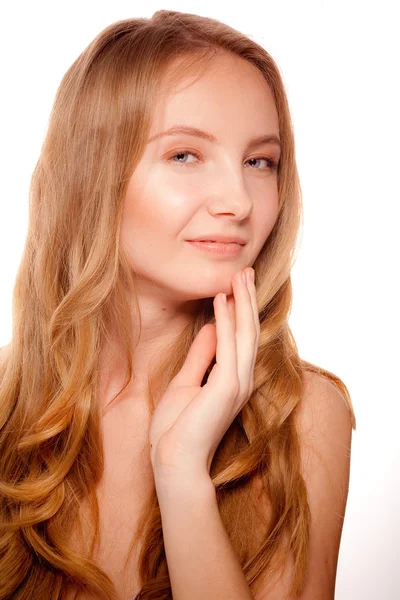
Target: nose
<point>230,194</point>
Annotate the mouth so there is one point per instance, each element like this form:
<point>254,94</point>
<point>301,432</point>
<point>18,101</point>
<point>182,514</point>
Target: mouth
<point>221,248</point>
<point>216,242</point>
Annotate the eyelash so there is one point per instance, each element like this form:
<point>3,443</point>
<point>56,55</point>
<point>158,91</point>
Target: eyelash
<point>272,164</point>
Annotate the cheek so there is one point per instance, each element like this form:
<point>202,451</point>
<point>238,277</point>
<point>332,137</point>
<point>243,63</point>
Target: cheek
<point>151,224</point>
<point>141,213</point>
<point>139,232</point>
<point>159,207</point>
<point>264,218</point>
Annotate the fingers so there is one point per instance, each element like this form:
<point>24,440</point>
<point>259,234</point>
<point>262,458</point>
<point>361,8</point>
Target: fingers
<point>226,364</point>
<point>198,359</point>
<point>245,333</point>
<point>237,339</point>
<point>253,298</point>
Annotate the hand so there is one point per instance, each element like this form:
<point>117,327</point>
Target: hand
<point>189,420</point>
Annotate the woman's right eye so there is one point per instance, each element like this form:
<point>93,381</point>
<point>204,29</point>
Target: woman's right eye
<point>182,153</point>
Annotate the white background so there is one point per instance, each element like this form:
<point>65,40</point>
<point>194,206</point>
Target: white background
<point>340,64</point>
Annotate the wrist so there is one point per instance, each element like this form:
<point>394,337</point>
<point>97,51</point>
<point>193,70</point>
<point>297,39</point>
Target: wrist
<point>182,482</point>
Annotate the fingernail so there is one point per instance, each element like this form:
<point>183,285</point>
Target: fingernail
<point>252,275</point>
<point>244,277</point>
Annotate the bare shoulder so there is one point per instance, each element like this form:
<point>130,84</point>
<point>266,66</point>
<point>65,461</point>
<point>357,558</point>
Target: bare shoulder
<point>4,350</point>
<point>323,412</point>
<point>315,384</point>
<point>324,425</point>
<point>3,354</point>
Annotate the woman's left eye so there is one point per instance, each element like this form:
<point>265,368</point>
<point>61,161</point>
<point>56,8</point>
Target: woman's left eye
<point>270,162</point>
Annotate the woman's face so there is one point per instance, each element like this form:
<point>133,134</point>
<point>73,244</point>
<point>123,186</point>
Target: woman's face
<point>220,187</point>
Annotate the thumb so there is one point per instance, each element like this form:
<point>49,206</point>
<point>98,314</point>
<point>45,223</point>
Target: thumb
<point>199,357</point>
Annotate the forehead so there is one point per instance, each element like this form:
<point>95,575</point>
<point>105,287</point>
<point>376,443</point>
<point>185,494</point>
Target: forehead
<point>186,70</point>
<point>223,85</point>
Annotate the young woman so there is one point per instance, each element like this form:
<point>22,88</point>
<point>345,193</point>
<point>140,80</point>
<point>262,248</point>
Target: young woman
<point>156,441</point>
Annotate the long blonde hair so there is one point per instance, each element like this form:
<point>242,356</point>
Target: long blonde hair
<point>74,281</point>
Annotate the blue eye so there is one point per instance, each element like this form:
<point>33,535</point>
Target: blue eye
<point>272,164</point>
<point>182,153</point>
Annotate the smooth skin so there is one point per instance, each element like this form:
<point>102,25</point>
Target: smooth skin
<point>174,196</point>
<point>167,203</point>
<point>190,421</point>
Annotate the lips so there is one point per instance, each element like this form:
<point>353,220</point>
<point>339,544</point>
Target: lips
<point>215,242</point>
<point>220,239</point>
<point>224,249</point>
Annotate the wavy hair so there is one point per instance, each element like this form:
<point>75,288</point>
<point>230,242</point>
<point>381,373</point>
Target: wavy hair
<point>74,282</point>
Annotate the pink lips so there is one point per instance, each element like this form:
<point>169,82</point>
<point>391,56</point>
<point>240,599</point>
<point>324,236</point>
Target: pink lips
<point>221,248</point>
<point>223,238</point>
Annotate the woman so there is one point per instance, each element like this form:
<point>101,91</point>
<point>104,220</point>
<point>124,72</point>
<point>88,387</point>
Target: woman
<point>155,441</point>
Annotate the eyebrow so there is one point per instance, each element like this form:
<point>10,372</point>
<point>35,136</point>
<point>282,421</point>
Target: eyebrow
<point>267,138</point>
